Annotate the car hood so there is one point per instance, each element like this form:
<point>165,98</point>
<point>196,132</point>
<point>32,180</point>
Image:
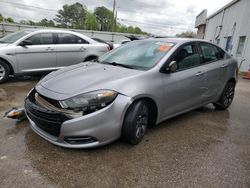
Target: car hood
<point>82,78</point>
<point>3,44</point>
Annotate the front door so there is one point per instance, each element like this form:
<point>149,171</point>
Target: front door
<point>40,56</point>
<point>184,88</point>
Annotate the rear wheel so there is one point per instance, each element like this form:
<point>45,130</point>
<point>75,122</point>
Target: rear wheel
<point>226,98</point>
<point>135,122</point>
<point>4,72</point>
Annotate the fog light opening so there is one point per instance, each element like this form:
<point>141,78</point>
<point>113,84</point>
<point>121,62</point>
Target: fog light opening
<point>80,140</point>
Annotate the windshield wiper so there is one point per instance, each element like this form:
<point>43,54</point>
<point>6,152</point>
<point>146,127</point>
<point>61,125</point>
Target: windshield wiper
<point>119,64</point>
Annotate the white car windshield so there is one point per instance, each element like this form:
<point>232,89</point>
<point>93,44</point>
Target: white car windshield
<point>141,55</point>
<point>13,37</point>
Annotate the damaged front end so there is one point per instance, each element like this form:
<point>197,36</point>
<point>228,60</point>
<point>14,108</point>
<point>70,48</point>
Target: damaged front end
<point>46,116</point>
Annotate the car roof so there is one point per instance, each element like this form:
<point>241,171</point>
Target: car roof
<point>58,30</point>
<point>177,40</point>
<point>49,30</point>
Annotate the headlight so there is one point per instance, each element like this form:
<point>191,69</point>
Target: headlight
<point>90,101</point>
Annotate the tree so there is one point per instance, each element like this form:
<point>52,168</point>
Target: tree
<point>72,16</point>
<point>9,19</point>
<point>104,17</point>
<point>137,30</point>
<point>91,21</point>
<point>77,16</point>
<point>1,18</point>
<point>130,29</point>
<point>187,34</point>
<point>30,22</point>
<point>46,23</point>
<point>121,28</point>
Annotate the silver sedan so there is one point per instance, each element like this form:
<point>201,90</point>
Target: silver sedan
<point>40,51</point>
<point>139,84</point>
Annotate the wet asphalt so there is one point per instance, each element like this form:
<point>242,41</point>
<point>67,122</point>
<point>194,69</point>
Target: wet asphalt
<point>202,148</point>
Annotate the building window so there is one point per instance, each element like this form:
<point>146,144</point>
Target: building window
<point>241,45</point>
<point>228,43</point>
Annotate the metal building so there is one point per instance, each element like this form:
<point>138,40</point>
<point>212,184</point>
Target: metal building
<point>229,28</point>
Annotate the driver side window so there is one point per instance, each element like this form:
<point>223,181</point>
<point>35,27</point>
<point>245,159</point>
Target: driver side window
<point>41,39</point>
<point>187,57</point>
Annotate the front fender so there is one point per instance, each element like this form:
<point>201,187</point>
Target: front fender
<point>11,60</point>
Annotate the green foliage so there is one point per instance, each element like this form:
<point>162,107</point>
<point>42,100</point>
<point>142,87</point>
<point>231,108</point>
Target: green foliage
<point>91,22</point>
<point>46,23</point>
<point>187,34</point>
<point>72,16</point>
<point>1,18</point>
<point>130,29</point>
<point>104,17</point>
<point>77,16</point>
<point>10,20</point>
<point>137,30</point>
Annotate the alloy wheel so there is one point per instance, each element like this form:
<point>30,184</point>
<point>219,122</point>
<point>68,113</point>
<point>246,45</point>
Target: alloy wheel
<point>142,121</point>
<point>228,95</point>
<point>2,72</point>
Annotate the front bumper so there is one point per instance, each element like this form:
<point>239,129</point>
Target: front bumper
<point>104,125</point>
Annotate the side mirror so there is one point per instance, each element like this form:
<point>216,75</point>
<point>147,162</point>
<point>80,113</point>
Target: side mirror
<point>172,67</point>
<point>26,43</point>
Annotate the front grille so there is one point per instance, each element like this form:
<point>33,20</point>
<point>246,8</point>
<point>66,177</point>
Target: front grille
<point>47,120</point>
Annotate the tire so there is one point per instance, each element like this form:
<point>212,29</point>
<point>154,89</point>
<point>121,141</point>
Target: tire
<point>4,72</point>
<point>135,122</point>
<point>226,98</point>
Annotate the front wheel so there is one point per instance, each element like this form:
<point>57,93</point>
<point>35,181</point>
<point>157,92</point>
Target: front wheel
<point>135,122</point>
<point>226,98</point>
<point>4,72</point>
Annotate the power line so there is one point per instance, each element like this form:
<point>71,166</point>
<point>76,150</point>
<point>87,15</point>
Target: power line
<point>154,25</point>
<point>30,6</point>
<point>158,26</point>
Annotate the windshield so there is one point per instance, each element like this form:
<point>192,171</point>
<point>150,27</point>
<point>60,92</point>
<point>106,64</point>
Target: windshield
<point>13,37</point>
<point>141,55</point>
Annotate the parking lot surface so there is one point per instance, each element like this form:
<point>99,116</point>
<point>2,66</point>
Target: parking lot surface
<point>202,148</point>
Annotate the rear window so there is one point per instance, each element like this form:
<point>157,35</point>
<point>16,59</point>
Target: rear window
<point>211,52</point>
<point>67,38</point>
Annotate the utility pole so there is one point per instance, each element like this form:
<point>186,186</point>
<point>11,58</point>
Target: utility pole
<point>113,20</point>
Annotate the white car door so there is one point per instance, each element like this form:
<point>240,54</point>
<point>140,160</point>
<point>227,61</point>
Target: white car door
<point>39,56</point>
<point>71,49</point>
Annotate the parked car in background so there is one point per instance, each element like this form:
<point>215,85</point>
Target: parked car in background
<point>38,51</point>
<point>130,38</point>
<point>105,42</point>
<point>138,84</point>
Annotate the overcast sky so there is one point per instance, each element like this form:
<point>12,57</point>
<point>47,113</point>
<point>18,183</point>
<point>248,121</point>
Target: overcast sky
<point>161,17</point>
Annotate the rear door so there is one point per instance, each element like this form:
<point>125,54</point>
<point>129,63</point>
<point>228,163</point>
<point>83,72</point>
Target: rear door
<point>71,49</point>
<point>215,66</point>
<point>40,56</point>
<point>184,88</point>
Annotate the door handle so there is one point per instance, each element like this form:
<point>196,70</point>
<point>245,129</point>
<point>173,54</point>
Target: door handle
<point>200,73</point>
<point>50,49</point>
<point>82,49</point>
<point>224,65</point>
